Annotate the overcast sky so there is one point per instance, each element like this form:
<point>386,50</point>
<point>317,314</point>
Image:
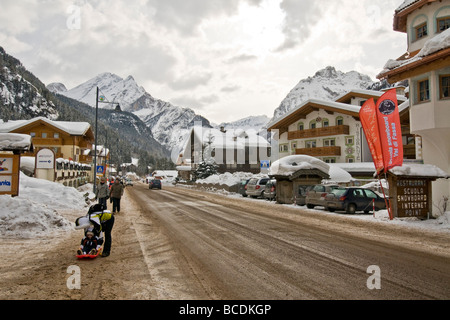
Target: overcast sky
<point>226,59</point>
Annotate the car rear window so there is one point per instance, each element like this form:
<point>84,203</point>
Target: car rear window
<point>263,181</point>
<point>253,181</point>
<point>338,192</point>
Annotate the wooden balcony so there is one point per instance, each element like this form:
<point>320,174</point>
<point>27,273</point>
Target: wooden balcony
<point>319,132</point>
<point>47,141</point>
<point>320,152</point>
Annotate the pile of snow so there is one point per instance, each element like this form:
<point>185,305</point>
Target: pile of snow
<point>291,164</point>
<point>229,179</point>
<point>14,141</point>
<point>419,170</point>
<point>36,212</point>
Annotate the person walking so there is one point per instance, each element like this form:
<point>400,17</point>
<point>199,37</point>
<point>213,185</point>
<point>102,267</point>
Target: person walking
<point>116,194</point>
<point>102,192</point>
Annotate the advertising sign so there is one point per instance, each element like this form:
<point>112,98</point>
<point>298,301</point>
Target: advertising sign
<point>6,165</point>
<point>390,130</point>
<point>9,174</point>
<point>412,198</point>
<point>45,159</point>
<point>6,184</point>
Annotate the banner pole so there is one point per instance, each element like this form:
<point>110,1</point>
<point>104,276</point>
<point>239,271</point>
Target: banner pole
<point>387,202</point>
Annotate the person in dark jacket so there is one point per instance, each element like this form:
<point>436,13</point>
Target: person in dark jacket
<point>116,194</point>
<point>102,193</point>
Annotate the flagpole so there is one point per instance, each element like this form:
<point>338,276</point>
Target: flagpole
<point>388,203</point>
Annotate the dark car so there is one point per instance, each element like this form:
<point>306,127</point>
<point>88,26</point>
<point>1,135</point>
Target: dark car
<point>354,199</point>
<point>270,190</point>
<point>155,184</point>
<point>242,189</point>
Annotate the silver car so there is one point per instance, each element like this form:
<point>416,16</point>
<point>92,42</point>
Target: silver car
<point>255,187</point>
<point>316,196</point>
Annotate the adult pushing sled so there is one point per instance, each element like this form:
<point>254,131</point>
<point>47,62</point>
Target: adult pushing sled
<point>96,223</point>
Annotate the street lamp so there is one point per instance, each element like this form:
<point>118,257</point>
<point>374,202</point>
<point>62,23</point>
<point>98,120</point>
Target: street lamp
<point>102,100</point>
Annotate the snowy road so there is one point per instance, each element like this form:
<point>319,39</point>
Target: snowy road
<point>202,245</point>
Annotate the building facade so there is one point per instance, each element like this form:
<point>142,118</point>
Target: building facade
<point>426,65</point>
<point>331,130</point>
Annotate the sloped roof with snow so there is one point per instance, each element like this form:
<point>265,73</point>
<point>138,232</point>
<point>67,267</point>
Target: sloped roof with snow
<point>72,128</point>
<point>308,106</point>
<point>406,4</point>
<point>435,48</point>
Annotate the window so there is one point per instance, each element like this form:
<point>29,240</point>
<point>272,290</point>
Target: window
<point>421,31</point>
<point>293,146</point>
<point>56,135</point>
<point>329,160</point>
<point>310,144</point>
<point>339,121</point>
<point>349,140</point>
<point>424,90</point>
<point>312,125</point>
<point>443,24</point>
<point>44,135</point>
<point>33,134</point>
<point>329,142</point>
<point>301,126</point>
<point>444,86</point>
<point>325,123</point>
<point>350,159</point>
<point>284,148</point>
<point>370,194</point>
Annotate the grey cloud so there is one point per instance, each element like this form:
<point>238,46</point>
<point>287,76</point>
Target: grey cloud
<point>191,80</point>
<point>241,58</point>
<point>230,88</point>
<point>301,17</point>
<point>185,16</point>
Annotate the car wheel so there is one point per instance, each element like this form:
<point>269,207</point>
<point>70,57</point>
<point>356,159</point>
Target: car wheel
<point>331,209</point>
<point>351,208</point>
<point>310,206</point>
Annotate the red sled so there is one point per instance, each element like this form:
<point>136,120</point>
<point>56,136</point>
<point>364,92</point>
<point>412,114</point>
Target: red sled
<point>89,256</point>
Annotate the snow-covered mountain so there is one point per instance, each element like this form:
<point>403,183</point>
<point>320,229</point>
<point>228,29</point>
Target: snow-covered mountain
<point>326,84</point>
<point>168,123</point>
<point>252,122</point>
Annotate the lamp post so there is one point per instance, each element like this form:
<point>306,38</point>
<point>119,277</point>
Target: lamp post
<point>95,143</point>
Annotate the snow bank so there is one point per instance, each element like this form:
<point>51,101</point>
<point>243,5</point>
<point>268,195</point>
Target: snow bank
<point>36,212</point>
<point>229,179</point>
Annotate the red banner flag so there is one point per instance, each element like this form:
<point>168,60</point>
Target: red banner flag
<point>390,130</point>
<point>369,121</point>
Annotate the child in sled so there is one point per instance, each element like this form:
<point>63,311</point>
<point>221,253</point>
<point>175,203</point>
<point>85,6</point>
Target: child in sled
<point>90,244</point>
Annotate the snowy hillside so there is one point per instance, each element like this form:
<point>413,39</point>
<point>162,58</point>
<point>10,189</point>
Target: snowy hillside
<point>19,97</point>
<point>167,122</point>
<point>326,84</point>
<point>253,122</point>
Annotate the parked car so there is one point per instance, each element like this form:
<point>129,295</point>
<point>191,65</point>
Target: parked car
<point>242,189</point>
<point>354,199</point>
<point>316,196</point>
<point>129,182</point>
<point>255,187</point>
<point>155,183</point>
<point>270,190</point>
<point>301,194</point>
